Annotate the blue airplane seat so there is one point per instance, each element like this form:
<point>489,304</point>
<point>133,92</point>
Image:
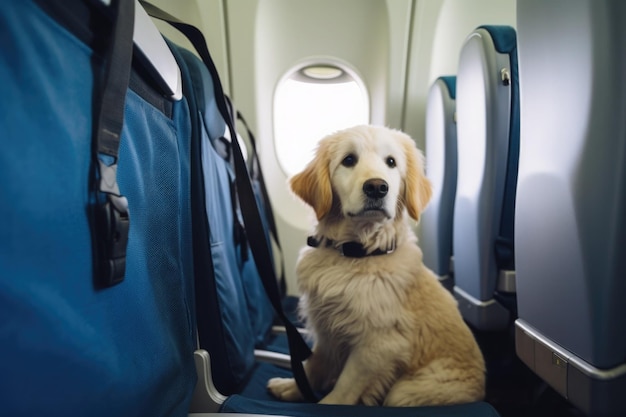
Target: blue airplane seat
<point>571,210</point>
<point>95,298</point>
<point>441,169</point>
<point>488,145</point>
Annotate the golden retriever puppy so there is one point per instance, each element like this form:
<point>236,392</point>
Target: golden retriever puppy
<point>385,330</point>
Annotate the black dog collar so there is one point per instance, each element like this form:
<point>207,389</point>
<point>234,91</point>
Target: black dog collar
<point>348,249</point>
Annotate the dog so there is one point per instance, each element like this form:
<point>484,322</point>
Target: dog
<point>385,331</point>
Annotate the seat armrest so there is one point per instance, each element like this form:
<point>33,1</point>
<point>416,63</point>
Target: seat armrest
<point>206,398</point>
<point>275,358</point>
<point>281,329</point>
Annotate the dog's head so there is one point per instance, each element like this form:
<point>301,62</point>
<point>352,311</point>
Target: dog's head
<point>365,172</point>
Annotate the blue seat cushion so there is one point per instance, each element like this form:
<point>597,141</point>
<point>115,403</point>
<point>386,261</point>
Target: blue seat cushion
<point>256,399</point>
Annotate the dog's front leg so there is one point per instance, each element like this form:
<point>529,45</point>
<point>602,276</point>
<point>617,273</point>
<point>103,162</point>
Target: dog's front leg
<point>316,370</point>
<point>368,372</point>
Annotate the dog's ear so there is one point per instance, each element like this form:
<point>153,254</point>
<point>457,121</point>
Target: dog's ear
<point>313,185</point>
<point>417,189</point>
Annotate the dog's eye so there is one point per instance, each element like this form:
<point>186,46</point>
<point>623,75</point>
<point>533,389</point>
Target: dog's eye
<point>390,161</point>
<point>349,161</point>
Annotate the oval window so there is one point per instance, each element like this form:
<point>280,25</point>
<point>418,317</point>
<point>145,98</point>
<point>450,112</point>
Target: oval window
<point>310,103</point>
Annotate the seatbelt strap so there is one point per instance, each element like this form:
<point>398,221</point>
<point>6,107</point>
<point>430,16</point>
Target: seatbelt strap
<point>298,349</point>
<point>239,231</point>
<point>257,172</point>
<point>110,217</point>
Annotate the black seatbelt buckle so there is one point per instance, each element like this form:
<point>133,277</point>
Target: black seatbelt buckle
<point>112,227</point>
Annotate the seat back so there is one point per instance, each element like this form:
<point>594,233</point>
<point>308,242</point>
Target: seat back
<point>68,345</point>
<point>571,222</point>
<point>441,169</point>
<point>231,293</point>
<point>488,146</point>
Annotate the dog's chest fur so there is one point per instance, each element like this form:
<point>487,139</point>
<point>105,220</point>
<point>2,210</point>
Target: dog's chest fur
<point>343,297</point>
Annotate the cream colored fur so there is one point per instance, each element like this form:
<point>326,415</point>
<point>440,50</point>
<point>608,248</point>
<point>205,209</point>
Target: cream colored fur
<point>386,332</point>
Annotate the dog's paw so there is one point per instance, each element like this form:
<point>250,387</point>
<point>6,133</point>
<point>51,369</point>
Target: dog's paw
<point>284,389</point>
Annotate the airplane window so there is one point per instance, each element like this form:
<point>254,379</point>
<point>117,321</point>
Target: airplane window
<point>311,103</point>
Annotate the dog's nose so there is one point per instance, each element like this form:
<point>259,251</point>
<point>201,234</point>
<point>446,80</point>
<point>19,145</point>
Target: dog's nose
<point>375,188</point>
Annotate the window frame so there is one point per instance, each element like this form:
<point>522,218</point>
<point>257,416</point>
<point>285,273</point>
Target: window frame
<point>295,72</point>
